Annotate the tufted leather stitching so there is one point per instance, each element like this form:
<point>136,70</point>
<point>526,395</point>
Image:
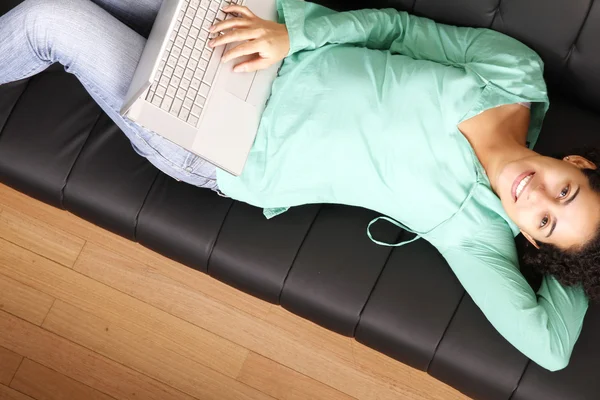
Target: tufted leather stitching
<point>137,216</point>
<point>445,330</point>
<point>496,12</point>
<point>520,379</point>
<point>296,255</point>
<point>412,10</point>
<point>574,45</point>
<point>214,243</point>
<point>14,106</point>
<point>62,189</point>
<point>374,286</point>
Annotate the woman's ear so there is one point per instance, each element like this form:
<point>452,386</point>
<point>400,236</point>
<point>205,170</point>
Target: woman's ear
<point>530,239</point>
<point>580,162</point>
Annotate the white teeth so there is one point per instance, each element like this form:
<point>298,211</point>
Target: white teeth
<point>522,184</point>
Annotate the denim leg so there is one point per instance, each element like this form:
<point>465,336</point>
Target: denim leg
<point>137,14</point>
<point>103,53</point>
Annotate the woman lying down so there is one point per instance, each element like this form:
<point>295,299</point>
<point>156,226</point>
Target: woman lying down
<point>428,124</point>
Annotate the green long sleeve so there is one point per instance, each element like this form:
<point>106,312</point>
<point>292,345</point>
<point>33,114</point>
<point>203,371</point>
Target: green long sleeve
<point>496,58</point>
<point>544,327</point>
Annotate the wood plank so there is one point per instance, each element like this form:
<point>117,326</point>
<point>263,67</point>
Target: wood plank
<point>23,301</point>
<point>309,332</point>
<point>9,362</point>
<point>145,354</point>
<point>39,237</point>
<point>73,225</point>
<point>7,393</point>
<point>175,335</point>
<point>116,307</point>
<point>81,364</point>
<point>284,383</point>
<point>285,346</point>
<point>204,283</point>
<point>400,376</point>
<point>42,383</point>
<point>365,359</point>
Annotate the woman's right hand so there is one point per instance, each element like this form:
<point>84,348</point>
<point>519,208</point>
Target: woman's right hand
<point>267,39</point>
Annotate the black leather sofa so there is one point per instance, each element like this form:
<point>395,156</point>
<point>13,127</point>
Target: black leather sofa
<point>316,261</point>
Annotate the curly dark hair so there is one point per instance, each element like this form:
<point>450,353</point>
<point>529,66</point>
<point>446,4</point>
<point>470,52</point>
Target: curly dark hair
<point>578,266</point>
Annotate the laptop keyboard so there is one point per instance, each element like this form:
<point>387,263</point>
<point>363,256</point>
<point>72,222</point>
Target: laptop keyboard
<point>188,67</point>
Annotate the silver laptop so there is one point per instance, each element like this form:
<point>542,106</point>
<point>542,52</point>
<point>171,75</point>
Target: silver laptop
<point>182,91</point>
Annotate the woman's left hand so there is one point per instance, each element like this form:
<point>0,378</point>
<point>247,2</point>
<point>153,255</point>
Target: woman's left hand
<point>267,39</point>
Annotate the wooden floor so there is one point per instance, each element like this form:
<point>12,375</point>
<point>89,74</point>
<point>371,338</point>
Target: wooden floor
<point>85,314</point>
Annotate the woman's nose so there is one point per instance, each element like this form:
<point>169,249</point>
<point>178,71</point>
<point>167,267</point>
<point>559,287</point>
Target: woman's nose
<point>539,196</point>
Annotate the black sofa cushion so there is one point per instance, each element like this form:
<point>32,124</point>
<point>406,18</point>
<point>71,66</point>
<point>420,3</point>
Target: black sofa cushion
<point>58,115</point>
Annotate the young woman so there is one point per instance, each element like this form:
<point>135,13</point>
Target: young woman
<point>428,124</point>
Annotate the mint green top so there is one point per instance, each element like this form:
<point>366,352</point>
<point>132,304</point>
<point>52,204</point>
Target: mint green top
<point>364,112</point>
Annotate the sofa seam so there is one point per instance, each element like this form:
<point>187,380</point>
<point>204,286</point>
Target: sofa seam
<point>414,5</point>
<point>445,331</point>
<point>520,379</point>
<point>574,44</point>
<point>10,113</point>
<point>137,216</point>
<point>214,244</point>
<point>373,289</point>
<point>297,253</point>
<point>72,167</point>
<point>496,12</point>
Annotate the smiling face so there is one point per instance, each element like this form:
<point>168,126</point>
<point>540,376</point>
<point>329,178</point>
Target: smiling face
<point>551,200</point>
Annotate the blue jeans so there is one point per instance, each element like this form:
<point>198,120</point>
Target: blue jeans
<point>100,42</point>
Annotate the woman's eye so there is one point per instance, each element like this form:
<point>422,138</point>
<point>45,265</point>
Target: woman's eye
<point>544,222</point>
<point>564,192</point>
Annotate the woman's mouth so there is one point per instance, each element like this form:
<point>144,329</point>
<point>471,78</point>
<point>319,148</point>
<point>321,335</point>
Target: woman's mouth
<point>520,183</point>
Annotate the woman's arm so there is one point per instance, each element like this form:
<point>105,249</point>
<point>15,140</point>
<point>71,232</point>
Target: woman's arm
<point>491,55</point>
<point>543,327</point>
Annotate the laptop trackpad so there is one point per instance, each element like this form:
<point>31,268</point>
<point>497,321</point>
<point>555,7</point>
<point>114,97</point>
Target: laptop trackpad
<point>238,84</point>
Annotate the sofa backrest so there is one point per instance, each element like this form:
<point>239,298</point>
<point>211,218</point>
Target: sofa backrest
<point>566,33</point>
